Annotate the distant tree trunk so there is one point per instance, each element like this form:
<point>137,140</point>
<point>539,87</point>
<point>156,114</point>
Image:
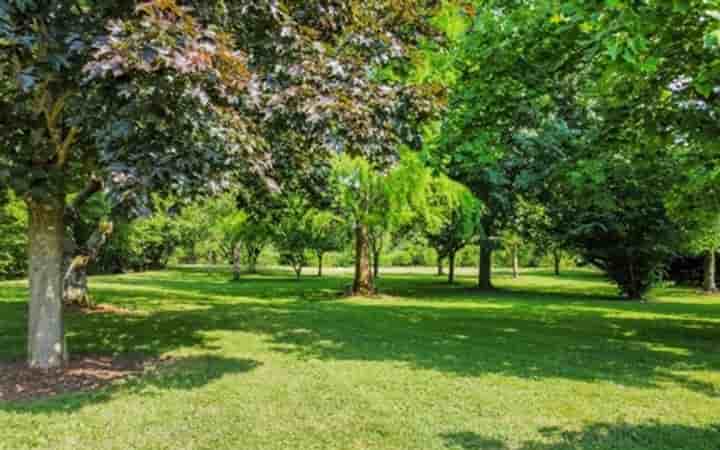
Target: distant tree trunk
<point>451,267</point>
<point>236,262</point>
<point>440,271</point>
<point>192,255</point>
<point>75,279</point>
<point>709,284</point>
<point>515,262</point>
<point>253,255</point>
<point>363,283</point>
<point>376,263</point>
<point>320,264</point>
<point>485,270</point>
<point>557,257</point>
<point>46,335</point>
<point>298,270</point>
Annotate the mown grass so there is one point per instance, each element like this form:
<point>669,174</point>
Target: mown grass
<point>271,363</point>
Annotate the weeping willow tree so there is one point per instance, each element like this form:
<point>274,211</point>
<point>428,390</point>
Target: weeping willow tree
<point>377,200</point>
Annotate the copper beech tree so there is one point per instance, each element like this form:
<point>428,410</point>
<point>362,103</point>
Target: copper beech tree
<point>108,96</point>
<point>127,98</point>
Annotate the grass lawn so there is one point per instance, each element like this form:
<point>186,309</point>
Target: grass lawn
<point>271,363</point>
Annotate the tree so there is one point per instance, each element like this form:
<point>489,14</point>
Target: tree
<point>363,195</point>
<point>292,233</point>
<point>693,206</point>
<point>80,90</point>
<point>229,230</point>
<point>458,212</point>
<point>328,232</point>
<point>379,201</point>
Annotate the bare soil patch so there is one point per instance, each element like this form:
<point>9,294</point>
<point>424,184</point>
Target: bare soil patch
<point>82,373</point>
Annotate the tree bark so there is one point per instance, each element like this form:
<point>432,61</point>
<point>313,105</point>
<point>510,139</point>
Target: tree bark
<point>557,257</point>
<point>46,335</point>
<point>451,267</point>
<point>485,269</point>
<point>515,263</point>
<point>363,283</point>
<point>253,255</point>
<point>236,262</point>
<point>320,264</point>
<point>440,271</point>
<point>709,284</point>
<point>75,281</point>
<point>376,264</point>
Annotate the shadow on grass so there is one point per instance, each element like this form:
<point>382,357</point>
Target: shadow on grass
<point>650,436</point>
<point>518,333</point>
<point>186,373</point>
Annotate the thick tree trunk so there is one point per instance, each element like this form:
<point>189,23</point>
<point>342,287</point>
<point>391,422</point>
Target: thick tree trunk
<point>46,335</point>
<point>485,269</point>
<point>557,257</point>
<point>320,264</point>
<point>451,267</point>
<point>440,271</point>
<point>709,284</point>
<point>515,263</point>
<point>363,283</point>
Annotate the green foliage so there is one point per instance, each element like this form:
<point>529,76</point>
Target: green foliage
<point>152,240</point>
<point>292,233</point>
<point>328,232</point>
<point>455,219</point>
<point>13,237</point>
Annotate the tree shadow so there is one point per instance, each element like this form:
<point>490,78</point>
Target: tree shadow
<point>598,436</point>
<point>515,336</point>
<point>186,373</point>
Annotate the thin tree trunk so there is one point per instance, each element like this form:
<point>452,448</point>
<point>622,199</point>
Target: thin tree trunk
<point>236,260</point>
<point>363,283</point>
<point>376,264</point>
<point>515,263</point>
<point>709,284</point>
<point>253,255</point>
<point>485,269</point>
<point>557,259</point>
<point>46,336</point>
<point>440,271</point>
<point>320,264</point>
<point>451,267</point>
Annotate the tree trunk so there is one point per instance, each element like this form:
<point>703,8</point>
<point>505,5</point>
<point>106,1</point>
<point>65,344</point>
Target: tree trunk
<point>440,271</point>
<point>320,264</point>
<point>46,335</point>
<point>363,283</point>
<point>253,255</point>
<point>236,262</point>
<point>376,264</point>
<point>557,257</point>
<point>709,284</point>
<point>515,263</point>
<point>485,269</point>
<point>75,280</point>
<point>298,271</point>
<point>451,267</point>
